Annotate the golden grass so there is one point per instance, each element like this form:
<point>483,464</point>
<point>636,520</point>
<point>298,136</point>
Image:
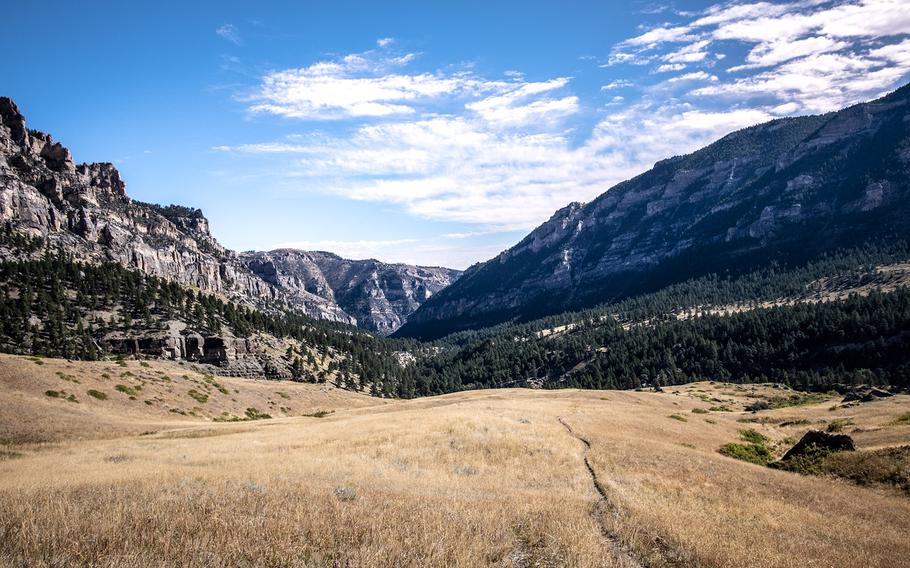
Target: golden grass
<point>486,478</point>
<point>164,398</point>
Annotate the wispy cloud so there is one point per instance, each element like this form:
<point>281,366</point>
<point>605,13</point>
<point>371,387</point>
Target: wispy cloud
<point>503,154</point>
<point>811,55</point>
<point>230,33</point>
<point>358,85</point>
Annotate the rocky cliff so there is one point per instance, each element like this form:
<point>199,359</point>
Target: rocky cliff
<point>379,295</point>
<point>84,209</point>
<point>783,191</point>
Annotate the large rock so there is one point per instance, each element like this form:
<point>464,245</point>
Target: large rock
<point>813,440</point>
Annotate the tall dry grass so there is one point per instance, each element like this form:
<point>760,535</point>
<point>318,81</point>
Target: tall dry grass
<point>488,478</point>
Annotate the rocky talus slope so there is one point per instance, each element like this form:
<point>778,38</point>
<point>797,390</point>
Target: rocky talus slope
<point>783,191</point>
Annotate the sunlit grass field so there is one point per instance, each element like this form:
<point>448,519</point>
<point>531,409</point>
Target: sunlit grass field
<point>483,478</point>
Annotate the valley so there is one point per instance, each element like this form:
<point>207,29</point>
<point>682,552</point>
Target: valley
<point>482,478</point>
<point>680,338</point>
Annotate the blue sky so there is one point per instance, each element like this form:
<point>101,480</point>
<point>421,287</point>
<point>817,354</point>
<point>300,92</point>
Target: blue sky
<point>421,131</point>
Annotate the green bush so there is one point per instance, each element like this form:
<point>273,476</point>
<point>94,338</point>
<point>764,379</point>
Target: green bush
<point>198,396</point>
<point>97,394</point>
<point>810,462</point>
<point>753,437</point>
<point>129,391</point>
<point>319,413</point>
<point>753,453</point>
<point>254,414</point>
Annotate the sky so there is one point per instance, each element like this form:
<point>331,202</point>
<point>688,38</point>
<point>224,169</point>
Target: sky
<point>423,132</point>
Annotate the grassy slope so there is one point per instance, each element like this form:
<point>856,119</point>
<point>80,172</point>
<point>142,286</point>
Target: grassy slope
<point>28,415</point>
<point>467,479</point>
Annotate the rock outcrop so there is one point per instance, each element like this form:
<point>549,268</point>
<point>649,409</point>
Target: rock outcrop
<point>84,209</point>
<point>379,295</point>
<point>814,441</point>
<point>785,191</point>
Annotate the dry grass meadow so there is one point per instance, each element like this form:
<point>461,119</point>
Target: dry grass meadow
<point>485,478</point>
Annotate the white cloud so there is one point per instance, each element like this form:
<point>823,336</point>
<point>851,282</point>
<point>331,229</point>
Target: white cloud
<point>804,56</point>
<point>229,32</point>
<point>363,85</point>
<point>617,84</point>
<point>502,155</point>
<point>694,76</point>
<point>690,53</point>
<point>385,41</point>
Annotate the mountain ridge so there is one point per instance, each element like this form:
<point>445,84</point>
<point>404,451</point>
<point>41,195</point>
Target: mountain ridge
<point>785,190</point>
<point>85,209</point>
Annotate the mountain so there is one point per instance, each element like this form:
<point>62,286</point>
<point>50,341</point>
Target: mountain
<point>784,191</point>
<point>379,295</point>
<point>84,209</point>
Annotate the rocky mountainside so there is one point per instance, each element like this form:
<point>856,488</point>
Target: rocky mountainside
<point>84,210</point>
<point>379,295</point>
<point>786,191</point>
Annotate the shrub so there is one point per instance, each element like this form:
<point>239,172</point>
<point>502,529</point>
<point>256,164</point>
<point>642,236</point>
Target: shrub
<point>699,411</point>
<point>198,396</point>
<point>678,417</point>
<point>807,463</point>
<point>319,413</point>
<point>752,436</point>
<point>97,394</point>
<point>903,418</point>
<point>838,424</point>
<point>52,393</point>
<point>887,466</point>
<point>254,414</point>
<point>129,391</point>
<point>753,453</point>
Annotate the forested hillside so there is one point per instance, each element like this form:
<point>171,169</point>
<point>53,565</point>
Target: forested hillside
<point>58,307</point>
<point>844,318</point>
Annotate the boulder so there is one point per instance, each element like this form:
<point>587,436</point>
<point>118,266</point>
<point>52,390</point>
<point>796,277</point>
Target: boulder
<point>866,394</point>
<point>813,440</point>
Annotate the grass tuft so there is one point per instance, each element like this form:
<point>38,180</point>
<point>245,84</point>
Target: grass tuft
<point>198,396</point>
<point>97,394</point>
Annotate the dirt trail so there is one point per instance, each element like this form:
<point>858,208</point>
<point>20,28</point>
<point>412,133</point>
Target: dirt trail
<point>620,553</point>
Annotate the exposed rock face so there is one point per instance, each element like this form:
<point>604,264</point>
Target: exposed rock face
<point>783,191</point>
<point>380,296</point>
<point>813,440</point>
<point>84,209</point>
